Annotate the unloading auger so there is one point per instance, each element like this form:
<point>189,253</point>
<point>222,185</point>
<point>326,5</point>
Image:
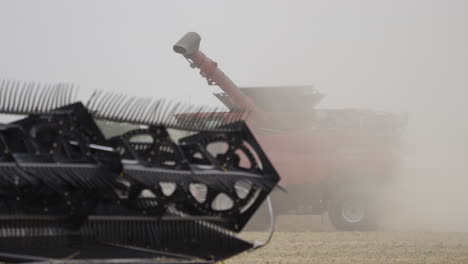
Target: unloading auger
<point>70,194</point>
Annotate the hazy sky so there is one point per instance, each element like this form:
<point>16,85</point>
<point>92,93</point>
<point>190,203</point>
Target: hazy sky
<point>400,55</point>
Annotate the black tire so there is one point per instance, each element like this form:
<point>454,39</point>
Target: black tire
<point>349,211</point>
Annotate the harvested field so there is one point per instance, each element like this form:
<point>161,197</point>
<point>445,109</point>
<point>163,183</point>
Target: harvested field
<point>358,247</point>
<point>290,245</point>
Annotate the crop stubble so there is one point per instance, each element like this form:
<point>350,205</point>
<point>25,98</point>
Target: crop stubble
<point>314,246</point>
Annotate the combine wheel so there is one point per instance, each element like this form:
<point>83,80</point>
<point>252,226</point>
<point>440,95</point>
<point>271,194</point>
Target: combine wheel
<point>351,210</point>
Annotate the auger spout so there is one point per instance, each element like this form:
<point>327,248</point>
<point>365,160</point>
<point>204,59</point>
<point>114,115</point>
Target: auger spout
<point>189,47</point>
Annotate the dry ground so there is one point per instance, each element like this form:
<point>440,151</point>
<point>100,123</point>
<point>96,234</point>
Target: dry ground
<point>314,246</point>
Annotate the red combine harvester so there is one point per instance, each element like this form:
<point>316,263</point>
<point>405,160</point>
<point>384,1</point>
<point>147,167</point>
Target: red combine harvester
<point>335,160</point>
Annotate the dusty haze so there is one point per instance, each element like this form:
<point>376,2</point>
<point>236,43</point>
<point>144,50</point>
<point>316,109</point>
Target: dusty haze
<point>402,56</point>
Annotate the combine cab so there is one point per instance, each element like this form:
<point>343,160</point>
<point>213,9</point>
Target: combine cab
<point>334,160</point>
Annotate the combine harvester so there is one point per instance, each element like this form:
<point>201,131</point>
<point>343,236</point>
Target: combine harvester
<point>335,160</point>
<point>68,194</point>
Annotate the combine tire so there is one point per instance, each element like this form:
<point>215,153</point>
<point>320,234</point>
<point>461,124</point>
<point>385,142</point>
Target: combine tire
<point>349,211</point>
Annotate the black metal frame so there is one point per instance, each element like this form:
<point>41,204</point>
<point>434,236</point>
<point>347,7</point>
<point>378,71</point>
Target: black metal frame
<point>65,188</point>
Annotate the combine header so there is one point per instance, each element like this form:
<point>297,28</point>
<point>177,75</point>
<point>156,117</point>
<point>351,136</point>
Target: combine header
<point>68,194</point>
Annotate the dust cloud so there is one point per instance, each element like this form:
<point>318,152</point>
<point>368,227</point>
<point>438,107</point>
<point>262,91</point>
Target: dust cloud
<point>429,193</point>
<point>430,190</point>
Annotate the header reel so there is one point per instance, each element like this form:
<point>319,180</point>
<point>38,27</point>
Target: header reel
<point>68,193</point>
